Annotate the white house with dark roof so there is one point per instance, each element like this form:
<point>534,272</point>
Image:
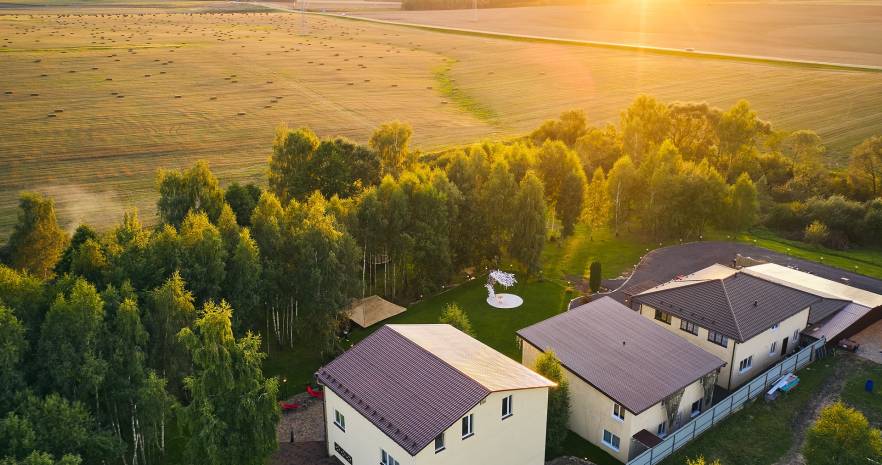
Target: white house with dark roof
<point>430,394</point>
<point>631,382</point>
<point>746,317</point>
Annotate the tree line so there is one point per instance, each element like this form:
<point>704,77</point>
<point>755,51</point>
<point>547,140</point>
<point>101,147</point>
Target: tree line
<point>145,344</point>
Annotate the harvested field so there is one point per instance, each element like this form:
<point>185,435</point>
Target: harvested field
<point>141,91</point>
<point>829,32</point>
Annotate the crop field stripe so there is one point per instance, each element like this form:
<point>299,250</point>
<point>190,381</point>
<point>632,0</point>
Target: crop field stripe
<point>610,45</point>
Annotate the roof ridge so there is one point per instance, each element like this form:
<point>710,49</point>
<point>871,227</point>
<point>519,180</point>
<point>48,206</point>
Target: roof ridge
<point>689,283</point>
<point>732,310</point>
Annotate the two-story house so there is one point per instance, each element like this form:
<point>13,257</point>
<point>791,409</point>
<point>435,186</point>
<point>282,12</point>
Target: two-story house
<point>631,382</point>
<point>748,320</point>
<point>430,394</point>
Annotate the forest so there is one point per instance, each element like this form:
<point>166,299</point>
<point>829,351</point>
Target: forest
<point>140,345</point>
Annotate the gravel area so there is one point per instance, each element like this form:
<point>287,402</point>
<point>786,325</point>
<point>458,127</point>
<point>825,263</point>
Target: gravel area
<point>870,340</point>
<point>569,461</point>
<point>306,424</point>
<point>302,453</point>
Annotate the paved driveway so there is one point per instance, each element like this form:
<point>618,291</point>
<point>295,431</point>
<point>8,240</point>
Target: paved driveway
<point>870,340</point>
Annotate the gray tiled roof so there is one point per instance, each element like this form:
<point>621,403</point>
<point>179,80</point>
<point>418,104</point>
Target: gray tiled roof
<point>622,354</point>
<point>739,306</point>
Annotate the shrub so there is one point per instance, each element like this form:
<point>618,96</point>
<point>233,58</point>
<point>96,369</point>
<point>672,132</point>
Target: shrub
<point>816,233</point>
<point>549,366</point>
<point>454,316</point>
<point>595,277</point>
<point>842,436</point>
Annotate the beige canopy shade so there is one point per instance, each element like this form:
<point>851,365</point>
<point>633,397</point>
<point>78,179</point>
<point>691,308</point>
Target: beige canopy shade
<point>371,310</point>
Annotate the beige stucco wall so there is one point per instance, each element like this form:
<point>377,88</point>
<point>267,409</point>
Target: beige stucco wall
<point>591,411</point>
<point>758,346</point>
<point>516,440</point>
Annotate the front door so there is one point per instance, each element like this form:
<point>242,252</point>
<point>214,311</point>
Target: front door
<point>784,347</point>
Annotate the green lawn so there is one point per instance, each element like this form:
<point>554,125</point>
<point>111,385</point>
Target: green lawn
<point>761,433</point>
<point>576,446</point>
<point>854,394</point>
<point>573,255</point>
<point>859,260</point>
<point>495,327</point>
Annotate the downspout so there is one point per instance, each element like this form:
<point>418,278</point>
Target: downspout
<point>325,419</point>
<point>732,365</point>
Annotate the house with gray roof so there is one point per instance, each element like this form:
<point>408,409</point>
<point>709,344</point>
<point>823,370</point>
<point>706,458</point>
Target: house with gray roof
<point>430,395</point>
<point>631,382</point>
<point>742,317</point>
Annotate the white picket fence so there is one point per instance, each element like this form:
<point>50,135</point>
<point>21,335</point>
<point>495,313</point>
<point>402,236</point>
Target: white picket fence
<point>727,406</point>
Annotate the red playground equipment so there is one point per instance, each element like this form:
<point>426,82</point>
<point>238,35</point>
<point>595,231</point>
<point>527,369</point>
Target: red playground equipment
<point>313,393</point>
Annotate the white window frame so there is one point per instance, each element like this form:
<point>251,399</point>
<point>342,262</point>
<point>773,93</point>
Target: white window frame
<point>744,367</point>
<point>442,446</point>
<point>610,442</point>
<point>468,420</point>
<point>776,326</point>
<point>340,420</point>
<point>386,459</point>
<point>507,406</point>
<point>689,327</point>
<point>618,413</point>
<point>662,430</point>
<point>773,349</point>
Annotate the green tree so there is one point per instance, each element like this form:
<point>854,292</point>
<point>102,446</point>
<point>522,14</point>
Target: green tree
<point>194,190</point>
<point>739,126</point>
<point>568,128</point>
<point>37,242</point>
<point>645,124</point>
<point>13,345</point>
<point>291,162</point>
<point>496,194</point>
<point>599,148</point>
<point>25,296</point>
<point>528,236</point>
<point>81,235</point>
<point>597,202</point>
<point>865,166</point>
<point>744,203</point>
<point>623,187</point>
<point>230,398</point>
<point>243,281</point>
<point>242,200</point>
<point>42,458</point>
<point>17,436</point>
<point>203,256</point>
<point>391,141</point>
<point>548,365</point>
<point>842,436</point>
<point>454,316</point>
<point>90,261</point>
<point>171,309</point>
<point>68,347</point>
<point>564,181</point>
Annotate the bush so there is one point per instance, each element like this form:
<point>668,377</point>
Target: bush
<point>842,436</point>
<point>816,233</point>
<point>454,316</point>
<point>595,277</point>
<point>556,431</point>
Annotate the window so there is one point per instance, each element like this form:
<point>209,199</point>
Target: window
<point>717,338</point>
<point>664,317</point>
<point>745,364</point>
<point>773,349</point>
<point>506,407</point>
<point>468,426</point>
<point>775,327</point>
<point>795,336</point>
<point>439,443</point>
<point>340,420</point>
<point>619,412</point>
<point>611,440</point>
<point>386,459</point>
<point>696,408</point>
<point>689,327</point>
<point>662,430</point>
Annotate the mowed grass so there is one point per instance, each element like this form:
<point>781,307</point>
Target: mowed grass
<point>134,93</point>
<point>572,256</point>
<point>494,327</point>
<point>855,395</point>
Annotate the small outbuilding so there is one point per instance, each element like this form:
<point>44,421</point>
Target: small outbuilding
<point>372,310</point>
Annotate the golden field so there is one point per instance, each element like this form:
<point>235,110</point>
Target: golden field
<point>92,105</point>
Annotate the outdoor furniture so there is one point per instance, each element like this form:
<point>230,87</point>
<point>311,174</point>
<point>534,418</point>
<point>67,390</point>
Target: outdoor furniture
<point>315,394</point>
<point>784,384</point>
<point>287,406</point>
<point>849,345</point>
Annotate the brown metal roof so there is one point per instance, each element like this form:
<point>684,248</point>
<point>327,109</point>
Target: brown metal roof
<point>622,354</point>
<point>405,391</point>
<point>739,306</point>
<point>646,438</point>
